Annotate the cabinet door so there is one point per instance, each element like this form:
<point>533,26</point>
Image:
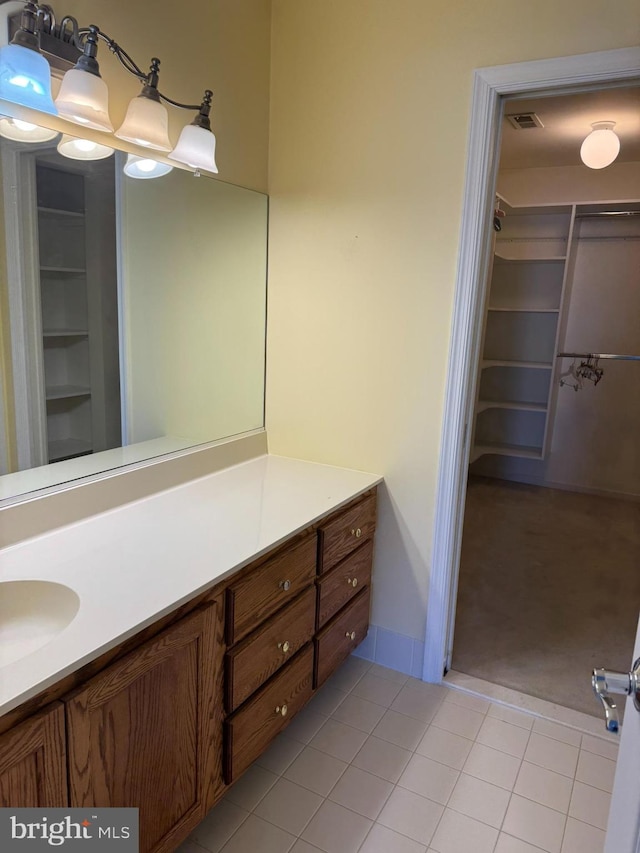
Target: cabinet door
<point>33,765</point>
<point>146,732</point>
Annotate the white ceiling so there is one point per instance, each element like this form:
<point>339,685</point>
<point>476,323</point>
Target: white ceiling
<point>567,120</point>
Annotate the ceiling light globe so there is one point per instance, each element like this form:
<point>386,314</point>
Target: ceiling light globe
<point>83,149</point>
<point>23,131</point>
<point>145,168</point>
<point>25,78</point>
<point>601,147</point>
<point>197,148</point>
<point>146,123</point>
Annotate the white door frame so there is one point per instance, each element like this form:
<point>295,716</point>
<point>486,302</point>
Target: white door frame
<point>491,85</point>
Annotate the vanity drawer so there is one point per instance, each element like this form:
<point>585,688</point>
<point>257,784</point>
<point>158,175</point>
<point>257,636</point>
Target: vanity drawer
<point>340,637</point>
<point>345,531</point>
<point>337,587</point>
<point>268,587</point>
<point>251,729</point>
<point>249,664</point>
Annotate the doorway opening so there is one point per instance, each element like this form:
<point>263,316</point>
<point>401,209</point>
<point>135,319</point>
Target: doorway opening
<point>548,583</point>
<point>487,415</point>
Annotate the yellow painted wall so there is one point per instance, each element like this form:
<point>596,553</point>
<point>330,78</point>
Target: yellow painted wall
<point>222,45</point>
<point>370,105</point>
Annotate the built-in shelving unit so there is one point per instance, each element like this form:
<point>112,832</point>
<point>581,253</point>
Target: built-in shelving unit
<point>521,332</point>
<point>65,321</point>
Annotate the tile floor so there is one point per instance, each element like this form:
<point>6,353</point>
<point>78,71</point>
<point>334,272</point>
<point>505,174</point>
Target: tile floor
<point>382,763</point>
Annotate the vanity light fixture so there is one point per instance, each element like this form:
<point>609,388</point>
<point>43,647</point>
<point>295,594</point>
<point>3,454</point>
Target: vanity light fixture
<point>23,131</point>
<point>601,146</point>
<point>83,95</point>
<point>145,168</point>
<point>82,149</point>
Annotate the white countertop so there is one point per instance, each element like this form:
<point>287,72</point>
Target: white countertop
<point>134,564</point>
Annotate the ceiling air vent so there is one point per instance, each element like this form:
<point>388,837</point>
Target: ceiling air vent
<point>524,121</point>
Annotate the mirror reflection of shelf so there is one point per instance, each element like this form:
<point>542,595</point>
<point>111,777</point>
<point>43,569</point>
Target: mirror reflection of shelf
<point>64,270</point>
<point>68,448</point>
<point>60,392</point>
<point>64,333</point>
<point>57,211</point>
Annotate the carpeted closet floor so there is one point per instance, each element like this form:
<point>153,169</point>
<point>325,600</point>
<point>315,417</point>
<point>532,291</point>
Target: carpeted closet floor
<point>549,589</point>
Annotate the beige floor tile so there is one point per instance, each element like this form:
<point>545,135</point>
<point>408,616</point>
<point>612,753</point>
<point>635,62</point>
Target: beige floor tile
<point>544,787</point>
<point>590,805</point>
<point>303,847</point>
<point>190,846</point>
<point>600,746</point>
<point>315,770</point>
<point>335,829</point>
<point>349,673</point>
<point>337,739</point>
<point>581,838</point>
<point>445,747</point>
<point>493,766</point>
<point>361,792</point>
<point>556,731</point>
<point>552,755</point>
<point>509,844</point>
<point>429,778</point>
<point>251,788</point>
<point>595,770</point>
<point>504,737</point>
<point>382,758</point>
<point>460,721</point>
<point>457,833</point>
<point>511,715</point>
<point>326,700</point>
<point>399,729</point>
<point>288,806</point>
<point>381,839</point>
<point>219,825</point>
<point>479,800</point>
<point>537,825</point>
<point>304,726</point>
<point>419,700</point>
<point>411,815</point>
<point>389,674</point>
<point>257,834</point>
<point>280,754</point>
<point>359,713</point>
<point>468,700</point>
<point>382,691</point>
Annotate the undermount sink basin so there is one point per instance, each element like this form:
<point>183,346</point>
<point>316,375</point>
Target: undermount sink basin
<point>32,613</point>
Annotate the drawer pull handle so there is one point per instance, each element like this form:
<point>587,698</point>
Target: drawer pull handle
<point>350,635</point>
<point>285,585</point>
<point>352,582</point>
<point>357,532</point>
<point>281,710</point>
<point>284,647</point>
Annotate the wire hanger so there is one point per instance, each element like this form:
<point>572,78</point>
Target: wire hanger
<point>586,371</point>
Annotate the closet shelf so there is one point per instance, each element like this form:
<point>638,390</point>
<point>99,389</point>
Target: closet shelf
<point>64,270</point>
<point>527,310</point>
<point>57,211</point>
<point>537,365</point>
<point>502,256</point>
<point>65,333</point>
<point>508,450</point>
<point>67,448</point>
<point>62,392</point>
<point>509,404</point>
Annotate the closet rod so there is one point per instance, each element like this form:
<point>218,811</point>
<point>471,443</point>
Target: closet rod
<point>598,355</point>
<point>608,213</point>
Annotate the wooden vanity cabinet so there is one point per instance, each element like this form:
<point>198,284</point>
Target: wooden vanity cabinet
<point>142,733</point>
<point>33,762</point>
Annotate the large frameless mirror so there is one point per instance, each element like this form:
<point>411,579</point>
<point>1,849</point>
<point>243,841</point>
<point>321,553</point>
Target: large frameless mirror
<point>132,313</point>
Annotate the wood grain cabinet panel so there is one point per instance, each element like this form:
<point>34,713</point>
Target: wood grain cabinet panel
<point>268,587</point>
<point>342,533</point>
<point>340,637</point>
<point>254,660</point>
<point>251,729</point>
<point>142,732</point>
<point>341,584</point>
<point>33,763</point>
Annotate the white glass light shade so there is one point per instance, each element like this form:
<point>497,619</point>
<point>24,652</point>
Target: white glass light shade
<point>145,168</point>
<point>83,149</point>
<point>197,148</point>
<point>24,131</point>
<point>25,78</point>
<point>146,123</point>
<point>84,99</point>
<point>601,147</point>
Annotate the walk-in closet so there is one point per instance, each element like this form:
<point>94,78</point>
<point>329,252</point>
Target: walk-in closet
<point>549,584</point>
